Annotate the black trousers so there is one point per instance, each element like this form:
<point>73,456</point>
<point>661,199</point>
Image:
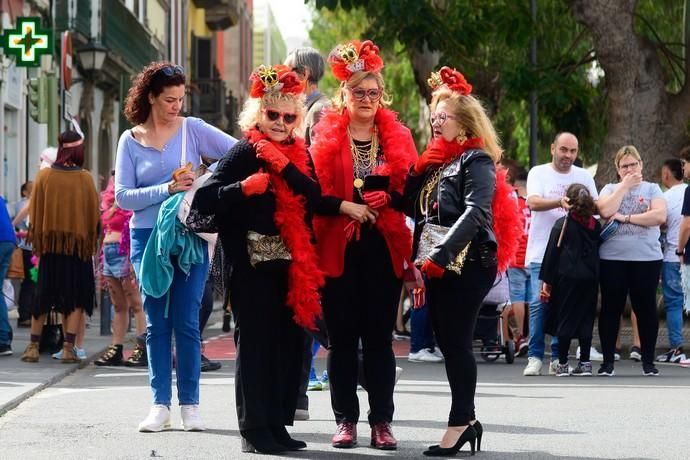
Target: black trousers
<point>454,302</point>
<point>639,279</point>
<point>362,304</point>
<point>269,349</point>
<point>206,305</point>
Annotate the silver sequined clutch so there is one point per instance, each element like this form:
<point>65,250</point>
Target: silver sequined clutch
<point>432,236</point>
<point>266,248</point>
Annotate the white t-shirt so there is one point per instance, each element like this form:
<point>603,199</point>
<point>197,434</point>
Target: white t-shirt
<point>674,205</point>
<point>545,182</point>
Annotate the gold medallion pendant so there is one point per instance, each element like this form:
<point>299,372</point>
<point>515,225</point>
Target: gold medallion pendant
<point>358,183</point>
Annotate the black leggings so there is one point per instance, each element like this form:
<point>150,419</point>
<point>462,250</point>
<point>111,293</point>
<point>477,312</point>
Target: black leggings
<point>362,304</point>
<point>454,303</point>
<point>617,280</point>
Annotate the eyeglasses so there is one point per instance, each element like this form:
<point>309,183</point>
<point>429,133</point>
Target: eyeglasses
<point>274,115</point>
<point>440,118</point>
<point>359,94</point>
<point>170,70</point>
<point>629,166</point>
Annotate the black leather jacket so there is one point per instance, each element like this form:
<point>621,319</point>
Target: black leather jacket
<point>465,194</point>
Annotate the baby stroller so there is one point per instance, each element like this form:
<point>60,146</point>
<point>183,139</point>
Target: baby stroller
<point>488,332</point>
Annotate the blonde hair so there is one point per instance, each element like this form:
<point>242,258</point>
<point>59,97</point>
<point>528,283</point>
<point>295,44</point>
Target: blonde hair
<point>356,79</point>
<point>625,151</point>
<point>470,114</point>
<point>251,111</point>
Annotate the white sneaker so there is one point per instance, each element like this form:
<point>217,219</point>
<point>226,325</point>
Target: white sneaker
<point>157,420</point>
<point>424,356</point>
<point>533,367</point>
<point>594,354</point>
<point>191,418</point>
<point>437,353</point>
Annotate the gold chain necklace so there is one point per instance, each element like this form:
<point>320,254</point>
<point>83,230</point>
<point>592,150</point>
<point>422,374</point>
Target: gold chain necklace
<point>363,157</point>
<point>428,188</point>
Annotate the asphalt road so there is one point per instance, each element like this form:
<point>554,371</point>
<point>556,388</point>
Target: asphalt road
<point>93,414</point>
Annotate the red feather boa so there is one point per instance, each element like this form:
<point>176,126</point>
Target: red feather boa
<point>304,276</point>
<point>332,157</point>
<point>506,216</point>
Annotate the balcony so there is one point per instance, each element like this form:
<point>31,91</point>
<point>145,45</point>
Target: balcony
<point>207,99</point>
<point>80,24</point>
<point>126,37</point>
<point>220,14</point>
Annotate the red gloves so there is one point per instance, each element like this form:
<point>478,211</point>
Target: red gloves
<point>376,200</point>
<point>432,270</point>
<point>352,230</point>
<point>430,157</point>
<point>256,184</point>
<point>274,158</point>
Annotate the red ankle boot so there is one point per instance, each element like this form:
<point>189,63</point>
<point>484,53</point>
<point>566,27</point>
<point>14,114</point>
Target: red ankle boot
<point>382,437</point>
<point>345,435</point>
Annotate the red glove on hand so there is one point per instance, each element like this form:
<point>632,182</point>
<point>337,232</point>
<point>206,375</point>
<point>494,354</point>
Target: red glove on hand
<point>376,200</point>
<point>430,157</point>
<point>256,184</point>
<point>274,158</point>
<point>432,270</point>
<point>352,229</point>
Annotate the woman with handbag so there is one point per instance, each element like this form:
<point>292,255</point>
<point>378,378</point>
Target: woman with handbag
<point>362,154</point>
<point>147,172</point>
<point>256,196</point>
<point>64,235</point>
<point>457,194</point>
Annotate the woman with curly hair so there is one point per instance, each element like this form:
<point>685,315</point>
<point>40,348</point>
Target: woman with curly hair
<point>147,156</point>
<point>362,154</point>
<point>570,273</point>
<point>257,197</point>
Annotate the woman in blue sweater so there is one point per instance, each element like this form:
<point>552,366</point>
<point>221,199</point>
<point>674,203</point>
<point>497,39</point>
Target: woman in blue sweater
<point>147,156</point>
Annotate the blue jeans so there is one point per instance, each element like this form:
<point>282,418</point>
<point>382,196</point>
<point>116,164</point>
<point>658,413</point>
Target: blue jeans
<point>673,302</point>
<point>537,318</point>
<point>183,319</point>
<point>6,250</point>
<point>421,331</point>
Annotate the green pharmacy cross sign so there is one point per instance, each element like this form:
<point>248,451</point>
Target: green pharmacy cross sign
<point>28,41</point>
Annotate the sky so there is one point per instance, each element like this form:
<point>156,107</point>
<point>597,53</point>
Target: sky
<point>293,18</point>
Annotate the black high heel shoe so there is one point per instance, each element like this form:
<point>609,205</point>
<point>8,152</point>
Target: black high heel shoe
<point>480,432</point>
<point>282,436</point>
<point>469,435</point>
<point>260,440</point>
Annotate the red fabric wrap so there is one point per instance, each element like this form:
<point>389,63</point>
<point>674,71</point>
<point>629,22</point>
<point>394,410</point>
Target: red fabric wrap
<point>332,158</point>
<point>304,276</point>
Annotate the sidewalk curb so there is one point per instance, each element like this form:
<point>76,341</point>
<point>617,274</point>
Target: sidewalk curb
<point>5,408</point>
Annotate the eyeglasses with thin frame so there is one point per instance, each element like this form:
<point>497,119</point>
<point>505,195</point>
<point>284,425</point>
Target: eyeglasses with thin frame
<point>170,70</point>
<point>441,118</point>
<point>629,166</point>
<point>374,94</point>
<point>274,115</point>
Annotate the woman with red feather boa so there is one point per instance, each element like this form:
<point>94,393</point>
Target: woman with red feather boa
<point>361,155</point>
<point>456,187</point>
<point>257,197</point>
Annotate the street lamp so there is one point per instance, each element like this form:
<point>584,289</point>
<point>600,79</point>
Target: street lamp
<point>92,56</point>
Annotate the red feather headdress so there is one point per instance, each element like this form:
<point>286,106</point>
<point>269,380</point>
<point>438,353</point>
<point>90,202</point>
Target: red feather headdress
<point>452,79</point>
<point>354,56</point>
<point>268,79</point>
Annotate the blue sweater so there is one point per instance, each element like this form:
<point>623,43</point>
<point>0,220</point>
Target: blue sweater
<point>142,173</point>
<point>6,229</point>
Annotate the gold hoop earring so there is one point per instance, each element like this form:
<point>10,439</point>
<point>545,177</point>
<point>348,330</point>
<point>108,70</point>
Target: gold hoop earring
<point>462,136</point>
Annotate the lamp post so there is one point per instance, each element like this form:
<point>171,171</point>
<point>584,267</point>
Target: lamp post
<point>92,56</point>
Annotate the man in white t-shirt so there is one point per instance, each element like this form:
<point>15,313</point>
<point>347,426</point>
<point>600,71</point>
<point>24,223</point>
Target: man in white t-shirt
<point>672,179</point>
<point>546,187</point>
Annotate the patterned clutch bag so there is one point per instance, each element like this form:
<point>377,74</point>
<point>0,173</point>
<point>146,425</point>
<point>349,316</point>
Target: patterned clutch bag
<point>432,236</point>
<point>266,248</point>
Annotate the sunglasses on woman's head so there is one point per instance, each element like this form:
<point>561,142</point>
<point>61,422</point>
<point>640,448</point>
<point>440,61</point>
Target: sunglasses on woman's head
<point>359,94</point>
<point>274,115</point>
<point>170,70</point>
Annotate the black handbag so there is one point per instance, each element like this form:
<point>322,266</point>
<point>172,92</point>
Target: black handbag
<point>52,336</point>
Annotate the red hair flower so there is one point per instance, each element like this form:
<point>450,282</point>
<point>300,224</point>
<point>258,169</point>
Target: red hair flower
<point>354,56</point>
<point>268,79</point>
<point>452,79</point>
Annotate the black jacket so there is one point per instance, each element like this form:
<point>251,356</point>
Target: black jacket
<point>577,257</point>
<point>465,194</point>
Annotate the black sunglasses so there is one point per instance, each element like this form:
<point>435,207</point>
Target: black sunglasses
<point>274,115</point>
<point>170,70</point>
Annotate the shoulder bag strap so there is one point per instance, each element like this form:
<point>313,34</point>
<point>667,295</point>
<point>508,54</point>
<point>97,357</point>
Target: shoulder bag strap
<point>183,155</point>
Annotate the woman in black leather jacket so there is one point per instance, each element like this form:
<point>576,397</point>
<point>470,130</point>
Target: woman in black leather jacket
<point>453,186</point>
